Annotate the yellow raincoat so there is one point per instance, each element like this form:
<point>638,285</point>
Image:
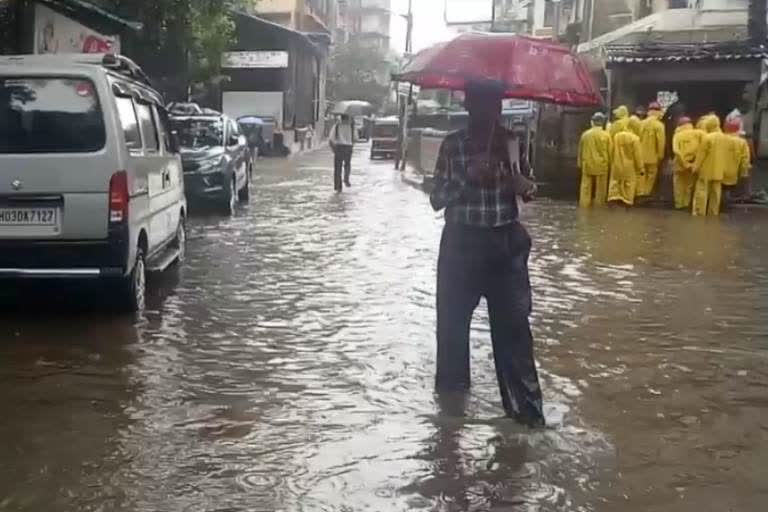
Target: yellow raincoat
<point>702,122</point>
<point>626,165</point>
<point>636,124</point>
<point>685,145</point>
<point>620,120</point>
<point>715,160</point>
<point>653,142</point>
<point>594,161</point>
<point>742,158</point>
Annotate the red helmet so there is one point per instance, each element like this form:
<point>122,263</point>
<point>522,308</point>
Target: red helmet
<point>732,126</point>
<point>684,120</point>
<point>654,106</point>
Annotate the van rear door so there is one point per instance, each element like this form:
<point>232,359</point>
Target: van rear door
<point>54,163</point>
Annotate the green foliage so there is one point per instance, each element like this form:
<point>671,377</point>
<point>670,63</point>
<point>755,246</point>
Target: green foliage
<point>358,72</point>
<point>212,32</point>
<point>7,23</point>
<point>195,30</point>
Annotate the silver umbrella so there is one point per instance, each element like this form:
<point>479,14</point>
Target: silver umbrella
<point>353,108</point>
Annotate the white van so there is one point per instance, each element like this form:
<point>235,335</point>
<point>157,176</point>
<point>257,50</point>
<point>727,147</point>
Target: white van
<point>91,184</point>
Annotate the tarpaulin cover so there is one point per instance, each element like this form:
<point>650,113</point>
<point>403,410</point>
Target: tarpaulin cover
<point>529,68</point>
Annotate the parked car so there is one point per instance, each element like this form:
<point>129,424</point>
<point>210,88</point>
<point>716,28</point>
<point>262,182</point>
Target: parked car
<point>90,176</point>
<point>384,137</point>
<point>183,108</point>
<point>216,158</point>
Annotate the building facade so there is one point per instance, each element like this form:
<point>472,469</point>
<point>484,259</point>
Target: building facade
<point>301,15</point>
<point>692,56</point>
<point>368,22</point>
<point>700,52</point>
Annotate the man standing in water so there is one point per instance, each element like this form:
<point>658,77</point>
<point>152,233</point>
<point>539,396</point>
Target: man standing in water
<point>484,253</point>
<point>342,141</point>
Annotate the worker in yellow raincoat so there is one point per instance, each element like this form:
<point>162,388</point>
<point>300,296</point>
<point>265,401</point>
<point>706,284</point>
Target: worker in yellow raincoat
<point>714,161</point>
<point>594,161</point>
<point>620,120</point>
<point>685,146</point>
<point>700,124</point>
<point>653,141</point>
<point>743,154</point>
<point>626,164</point>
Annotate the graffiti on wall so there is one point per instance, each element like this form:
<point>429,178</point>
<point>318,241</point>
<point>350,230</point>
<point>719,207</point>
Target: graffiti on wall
<point>55,33</point>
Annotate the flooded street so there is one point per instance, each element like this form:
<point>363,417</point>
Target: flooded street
<point>289,367</point>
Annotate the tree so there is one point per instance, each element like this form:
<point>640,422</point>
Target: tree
<point>358,72</point>
<point>7,26</point>
<point>188,35</point>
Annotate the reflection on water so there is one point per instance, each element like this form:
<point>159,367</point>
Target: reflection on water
<point>290,367</point>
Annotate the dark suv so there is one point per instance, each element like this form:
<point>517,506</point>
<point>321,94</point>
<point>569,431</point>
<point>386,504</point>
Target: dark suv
<point>217,162</point>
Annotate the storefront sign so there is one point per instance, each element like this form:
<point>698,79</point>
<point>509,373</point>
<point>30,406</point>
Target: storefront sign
<point>666,98</point>
<point>55,33</point>
<point>254,60</point>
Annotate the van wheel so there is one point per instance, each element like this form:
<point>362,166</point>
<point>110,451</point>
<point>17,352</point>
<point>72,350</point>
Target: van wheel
<point>180,243</point>
<point>132,292</point>
<point>245,194</point>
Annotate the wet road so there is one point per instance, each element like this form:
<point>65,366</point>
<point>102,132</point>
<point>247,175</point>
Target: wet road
<point>289,367</point>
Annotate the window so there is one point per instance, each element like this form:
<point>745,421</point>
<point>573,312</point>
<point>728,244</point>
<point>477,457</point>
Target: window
<point>129,122</point>
<point>199,132</point>
<point>50,115</point>
<point>549,14</point>
<point>163,128</point>
<point>148,128</point>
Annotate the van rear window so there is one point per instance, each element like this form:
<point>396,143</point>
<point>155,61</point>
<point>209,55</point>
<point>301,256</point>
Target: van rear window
<point>50,115</point>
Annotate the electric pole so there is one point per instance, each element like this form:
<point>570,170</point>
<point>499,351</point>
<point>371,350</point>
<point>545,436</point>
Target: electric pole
<point>557,7</point>
<point>400,162</point>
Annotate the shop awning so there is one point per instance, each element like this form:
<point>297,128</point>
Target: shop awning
<point>684,26</point>
<point>617,54</point>
<point>305,40</point>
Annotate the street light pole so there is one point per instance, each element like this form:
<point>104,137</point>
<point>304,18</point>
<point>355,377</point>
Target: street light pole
<point>493,15</point>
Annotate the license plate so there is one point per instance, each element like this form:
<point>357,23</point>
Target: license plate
<point>29,216</point>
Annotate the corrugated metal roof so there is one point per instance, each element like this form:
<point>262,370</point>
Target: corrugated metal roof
<point>670,52</point>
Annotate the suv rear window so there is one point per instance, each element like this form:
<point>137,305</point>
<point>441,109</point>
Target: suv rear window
<point>50,115</point>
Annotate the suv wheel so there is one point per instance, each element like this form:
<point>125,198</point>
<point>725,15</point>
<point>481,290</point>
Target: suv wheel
<point>133,288</point>
<point>230,199</point>
<point>245,194</point>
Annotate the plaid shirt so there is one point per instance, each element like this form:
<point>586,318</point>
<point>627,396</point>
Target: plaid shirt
<point>466,201</point>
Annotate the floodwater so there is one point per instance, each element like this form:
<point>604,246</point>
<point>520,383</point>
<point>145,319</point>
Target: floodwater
<point>289,367</point>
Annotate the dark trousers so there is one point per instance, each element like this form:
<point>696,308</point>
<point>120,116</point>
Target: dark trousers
<point>480,262</point>
<point>342,157</point>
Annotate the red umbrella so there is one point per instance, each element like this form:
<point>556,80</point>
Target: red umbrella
<point>529,68</point>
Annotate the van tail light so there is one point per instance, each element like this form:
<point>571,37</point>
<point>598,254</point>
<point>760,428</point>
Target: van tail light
<point>118,197</point>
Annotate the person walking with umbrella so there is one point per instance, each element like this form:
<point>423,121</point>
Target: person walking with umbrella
<point>342,142</point>
<point>484,252</point>
<point>484,248</point>
<point>342,139</point>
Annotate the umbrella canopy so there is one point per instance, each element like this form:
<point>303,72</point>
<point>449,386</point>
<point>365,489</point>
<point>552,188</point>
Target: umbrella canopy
<point>251,120</point>
<point>528,68</point>
<point>353,108</point>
